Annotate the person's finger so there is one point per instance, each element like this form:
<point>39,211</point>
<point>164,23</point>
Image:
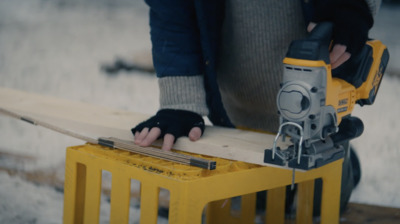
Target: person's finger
<point>151,137</point>
<point>342,59</point>
<point>311,26</point>
<point>337,51</point>
<point>168,142</point>
<point>141,135</point>
<point>195,134</point>
<point>136,136</point>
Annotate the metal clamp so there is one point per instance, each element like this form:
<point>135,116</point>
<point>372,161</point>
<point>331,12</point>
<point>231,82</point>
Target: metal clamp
<point>280,133</point>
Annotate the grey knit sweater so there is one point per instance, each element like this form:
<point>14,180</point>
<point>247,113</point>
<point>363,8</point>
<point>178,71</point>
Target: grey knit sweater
<point>256,34</point>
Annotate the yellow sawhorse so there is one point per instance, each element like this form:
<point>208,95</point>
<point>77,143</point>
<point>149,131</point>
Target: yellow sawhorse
<point>191,189</point>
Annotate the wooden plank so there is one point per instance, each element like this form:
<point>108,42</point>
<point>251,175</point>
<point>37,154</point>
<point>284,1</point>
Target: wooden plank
<point>97,121</point>
<point>118,143</point>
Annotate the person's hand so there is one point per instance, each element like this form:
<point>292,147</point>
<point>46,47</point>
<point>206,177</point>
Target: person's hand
<point>352,20</point>
<point>338,54</point>
<point>170,124</point>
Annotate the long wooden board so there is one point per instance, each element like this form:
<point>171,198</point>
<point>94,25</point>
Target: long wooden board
<point>96,121</point>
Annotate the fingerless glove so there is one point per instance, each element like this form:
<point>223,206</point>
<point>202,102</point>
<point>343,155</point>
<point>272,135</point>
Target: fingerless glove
<point>175,122</point>
<point>352,20</point>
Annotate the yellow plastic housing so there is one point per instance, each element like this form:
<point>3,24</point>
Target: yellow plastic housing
<point>340,94</point>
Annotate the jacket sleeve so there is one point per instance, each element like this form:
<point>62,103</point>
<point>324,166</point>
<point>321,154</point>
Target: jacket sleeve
<point>175,38</point>
<point>177,55</point>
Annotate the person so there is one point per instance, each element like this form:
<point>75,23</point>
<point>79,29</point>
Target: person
<point>223,59</point>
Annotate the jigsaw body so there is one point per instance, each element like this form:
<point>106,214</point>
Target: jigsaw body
<point>315,105</point>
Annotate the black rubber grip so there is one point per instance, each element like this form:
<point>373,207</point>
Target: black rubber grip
<point>315,47</point>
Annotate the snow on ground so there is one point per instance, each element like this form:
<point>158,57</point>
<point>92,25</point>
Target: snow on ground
<point>56,48</point>
<point>378,148</point>
<point>24,202</point>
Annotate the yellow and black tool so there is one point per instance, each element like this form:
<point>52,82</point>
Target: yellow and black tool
<point>315,102</point>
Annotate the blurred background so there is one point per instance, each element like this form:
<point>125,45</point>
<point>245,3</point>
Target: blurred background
<point>99,52</point>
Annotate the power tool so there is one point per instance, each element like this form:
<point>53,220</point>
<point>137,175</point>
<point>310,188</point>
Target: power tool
<point>315,102</point>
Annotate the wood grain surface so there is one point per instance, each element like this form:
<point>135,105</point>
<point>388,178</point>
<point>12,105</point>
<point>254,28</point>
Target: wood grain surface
<point>96,121</point>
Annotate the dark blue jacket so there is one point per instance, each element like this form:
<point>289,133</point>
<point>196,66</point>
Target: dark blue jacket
<point>185,35</point>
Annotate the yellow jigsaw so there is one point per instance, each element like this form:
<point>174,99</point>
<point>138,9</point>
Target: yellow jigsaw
<point>315,102</point>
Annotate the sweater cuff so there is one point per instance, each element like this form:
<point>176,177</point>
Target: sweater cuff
<point>183,93</point>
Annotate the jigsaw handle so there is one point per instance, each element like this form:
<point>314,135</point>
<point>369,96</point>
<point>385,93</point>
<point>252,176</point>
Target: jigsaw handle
<point>322,31</point>
<point>315,47</point>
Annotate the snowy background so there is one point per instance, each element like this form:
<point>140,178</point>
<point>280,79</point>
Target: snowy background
<point>57,47</point>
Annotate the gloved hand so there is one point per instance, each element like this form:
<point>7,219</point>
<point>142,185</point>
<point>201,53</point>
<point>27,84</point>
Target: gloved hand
<point>352,20</point>
<point>170,124</point>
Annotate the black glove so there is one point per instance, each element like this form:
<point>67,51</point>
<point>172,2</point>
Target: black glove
<point>352,20</point>
<point>175,122</point>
